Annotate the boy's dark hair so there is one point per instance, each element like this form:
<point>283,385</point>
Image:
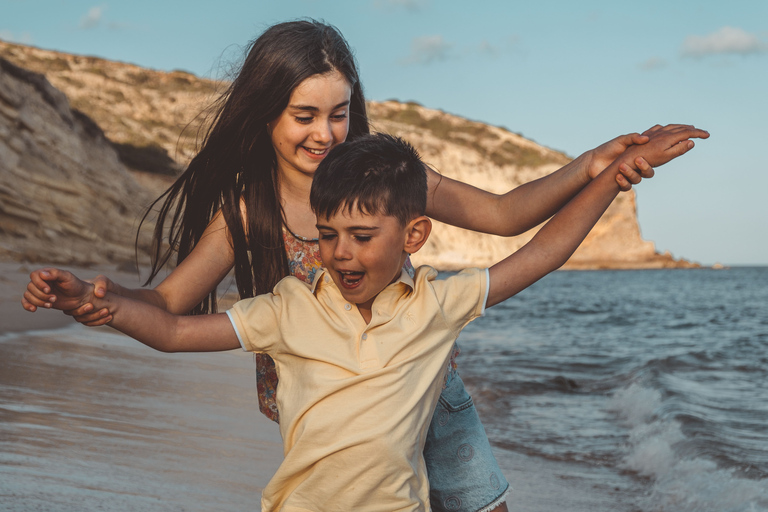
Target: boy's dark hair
<point>377,174</point>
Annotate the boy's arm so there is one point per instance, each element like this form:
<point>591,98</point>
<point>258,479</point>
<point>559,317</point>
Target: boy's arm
<point>530,204</point>
<point>551,247</point>
<point>166,332</point>
<point>145,322</point>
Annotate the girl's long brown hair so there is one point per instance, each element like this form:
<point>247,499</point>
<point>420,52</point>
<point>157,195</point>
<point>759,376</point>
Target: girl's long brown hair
<point>237,161</point>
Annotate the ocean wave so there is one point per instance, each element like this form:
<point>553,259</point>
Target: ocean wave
<point>678,480</point>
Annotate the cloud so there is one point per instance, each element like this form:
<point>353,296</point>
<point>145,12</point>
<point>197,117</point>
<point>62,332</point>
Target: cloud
<point>487,48</point>
<point>727,40</point>
<point>653,63</point>
<point>23,38</point>
<point>408,5</point>
<point>428,49</point>
<point>93,18</point>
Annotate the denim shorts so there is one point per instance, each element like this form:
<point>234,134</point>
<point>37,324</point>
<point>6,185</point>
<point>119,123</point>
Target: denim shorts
<point>463,473</point>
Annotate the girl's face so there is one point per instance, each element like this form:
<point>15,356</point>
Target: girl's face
<point>315,120</point>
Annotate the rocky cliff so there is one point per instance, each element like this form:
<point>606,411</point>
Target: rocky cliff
<point>85,144</point>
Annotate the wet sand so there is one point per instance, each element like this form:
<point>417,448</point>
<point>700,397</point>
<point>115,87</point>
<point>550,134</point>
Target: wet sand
<point>92,420</point>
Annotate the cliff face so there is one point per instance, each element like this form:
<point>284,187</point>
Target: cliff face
<point>64,195</point>
<point>84,148</point>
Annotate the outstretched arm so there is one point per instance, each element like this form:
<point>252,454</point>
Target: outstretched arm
<point>551,247</point>
<point>145,322</point>
<point>530,204</point>
<point>178,293</point>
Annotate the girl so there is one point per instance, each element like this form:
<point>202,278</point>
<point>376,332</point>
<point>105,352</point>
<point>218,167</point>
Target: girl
<point>243,202</point>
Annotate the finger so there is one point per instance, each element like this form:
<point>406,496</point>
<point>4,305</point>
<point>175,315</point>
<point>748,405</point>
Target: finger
<point>40,300</point>
<point>101,285</point>
<point>630,174</point>
<point>652,129</point>
<point>680,148</point>
<point>40,279</point>
<point>624,185</point>
<point>638,138</point>
<point>33,291</point>
<point>99,322</point>
<point>82,310</point>
<point>28,306</point>
<point>644,168</point>
<point>96,316</point>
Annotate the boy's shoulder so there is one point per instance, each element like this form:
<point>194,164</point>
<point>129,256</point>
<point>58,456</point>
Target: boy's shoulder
<point>460,296</point>
<point>466,279</point>
<point>426,273</point>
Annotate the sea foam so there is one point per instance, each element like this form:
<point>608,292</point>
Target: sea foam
<point>677,483</point>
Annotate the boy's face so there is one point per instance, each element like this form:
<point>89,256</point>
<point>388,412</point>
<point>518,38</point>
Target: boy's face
<point>363,253</point>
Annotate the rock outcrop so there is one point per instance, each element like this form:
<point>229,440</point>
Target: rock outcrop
<point>65,197</point>
<point>86,143</point>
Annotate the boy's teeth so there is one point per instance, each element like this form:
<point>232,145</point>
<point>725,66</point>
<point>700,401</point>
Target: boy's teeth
<point>351,277</point>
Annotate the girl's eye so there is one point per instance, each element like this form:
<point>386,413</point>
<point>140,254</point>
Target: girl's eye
<point>339,117</point>
<point>304,120</point>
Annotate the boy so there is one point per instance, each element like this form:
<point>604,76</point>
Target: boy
<point>362,352</point>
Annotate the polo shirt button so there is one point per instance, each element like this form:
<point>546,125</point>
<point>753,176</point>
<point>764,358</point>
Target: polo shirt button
<point>365,335</point>
<point>347,306</point>
<point>327,279</point>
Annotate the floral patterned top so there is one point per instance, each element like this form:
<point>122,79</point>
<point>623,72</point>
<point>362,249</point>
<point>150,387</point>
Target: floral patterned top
<point>304,261</point>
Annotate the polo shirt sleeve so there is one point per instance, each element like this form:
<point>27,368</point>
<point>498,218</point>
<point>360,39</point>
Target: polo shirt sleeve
<point>257,322</point>
<point>463,296</point>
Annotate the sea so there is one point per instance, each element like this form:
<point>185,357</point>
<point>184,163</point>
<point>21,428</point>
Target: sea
<point>629,391</point>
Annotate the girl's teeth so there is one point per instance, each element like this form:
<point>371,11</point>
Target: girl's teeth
<point>316,151</point>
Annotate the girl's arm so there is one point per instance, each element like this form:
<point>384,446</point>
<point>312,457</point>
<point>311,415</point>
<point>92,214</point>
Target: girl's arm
<point>551,247</point>
<point>187,285</point>
<point>528,205</point>
<point>144,321</point>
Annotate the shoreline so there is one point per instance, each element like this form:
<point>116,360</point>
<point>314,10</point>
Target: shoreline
<point>14,277</point>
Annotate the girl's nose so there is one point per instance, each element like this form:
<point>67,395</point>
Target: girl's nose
<point>322,132</point>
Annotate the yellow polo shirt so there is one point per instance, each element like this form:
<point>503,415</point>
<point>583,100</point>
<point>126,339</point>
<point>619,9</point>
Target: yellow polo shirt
<point>356,399</point>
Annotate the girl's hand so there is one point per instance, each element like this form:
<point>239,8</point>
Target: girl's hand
<point>85,314</point>
<point>603,155</point>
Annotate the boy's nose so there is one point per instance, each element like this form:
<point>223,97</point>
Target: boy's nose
<point>341,251</point>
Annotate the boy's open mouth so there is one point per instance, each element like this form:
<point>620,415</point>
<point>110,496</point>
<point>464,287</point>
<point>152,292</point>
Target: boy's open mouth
<point>350,279</point>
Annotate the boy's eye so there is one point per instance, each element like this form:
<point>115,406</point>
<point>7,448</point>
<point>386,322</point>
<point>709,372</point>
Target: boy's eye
<point>327,236</point>
<point>363,238</point>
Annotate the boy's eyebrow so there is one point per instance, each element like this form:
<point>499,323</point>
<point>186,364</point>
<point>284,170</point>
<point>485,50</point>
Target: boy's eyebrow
<point>310,108</point>
<point>350,228</point>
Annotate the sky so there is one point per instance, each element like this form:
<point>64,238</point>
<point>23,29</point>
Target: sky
<point>568,75</point>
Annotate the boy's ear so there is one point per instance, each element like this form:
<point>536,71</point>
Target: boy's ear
<point>417,231</point>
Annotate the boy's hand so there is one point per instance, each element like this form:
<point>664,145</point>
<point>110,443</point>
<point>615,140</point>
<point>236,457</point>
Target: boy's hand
<point>666,143</point>
<point>55,288</point>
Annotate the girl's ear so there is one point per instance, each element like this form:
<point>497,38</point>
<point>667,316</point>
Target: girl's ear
<point>416,233</point>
